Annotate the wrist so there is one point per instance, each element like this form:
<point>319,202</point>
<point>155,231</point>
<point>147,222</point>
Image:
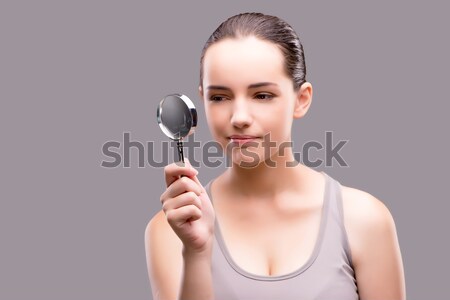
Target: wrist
<point>202,253</point>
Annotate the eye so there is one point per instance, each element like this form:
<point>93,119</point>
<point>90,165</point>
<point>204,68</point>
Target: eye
<point>217,98</point>
<point>264,96</point>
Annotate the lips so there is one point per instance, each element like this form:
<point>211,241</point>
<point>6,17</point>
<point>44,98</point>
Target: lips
<point>242,139</point>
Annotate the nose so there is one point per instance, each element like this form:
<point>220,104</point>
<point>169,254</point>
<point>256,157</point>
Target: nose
<point>241,113</point>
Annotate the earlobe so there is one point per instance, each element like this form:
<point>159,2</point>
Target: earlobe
<point>200,91</point>
<point>303,100</point>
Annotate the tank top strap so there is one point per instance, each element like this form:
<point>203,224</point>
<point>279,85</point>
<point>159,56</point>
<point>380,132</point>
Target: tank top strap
<point>336,226</point>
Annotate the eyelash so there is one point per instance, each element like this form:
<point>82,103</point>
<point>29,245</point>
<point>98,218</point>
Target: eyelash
<point>212,98</point>
<point>270,97</point>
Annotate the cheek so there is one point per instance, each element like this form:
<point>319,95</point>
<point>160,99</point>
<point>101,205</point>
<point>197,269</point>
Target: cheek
<point>215,115</point>
<point>274,118</point>
<point>216,120</point>
<point>278,122</point>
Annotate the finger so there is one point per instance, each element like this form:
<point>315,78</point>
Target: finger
<point>173,171</point>
<point>180,186</point>
<point>194,177</point>
<point>189,198</point>
<point>196,180</point>
<point>181,215</point>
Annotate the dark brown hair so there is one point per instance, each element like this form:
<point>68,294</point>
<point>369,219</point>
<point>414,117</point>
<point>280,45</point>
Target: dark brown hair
<point>268,28</point>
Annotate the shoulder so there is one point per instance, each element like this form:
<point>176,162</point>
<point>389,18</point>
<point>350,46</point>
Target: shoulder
<point>367,221</point>
<point>373,242</point>
<point>159,234</point>
<point>158,220</point>
<point>363,207</point>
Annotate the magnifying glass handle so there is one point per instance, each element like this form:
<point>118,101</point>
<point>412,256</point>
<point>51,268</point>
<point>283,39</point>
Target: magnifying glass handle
<point>180,151</point>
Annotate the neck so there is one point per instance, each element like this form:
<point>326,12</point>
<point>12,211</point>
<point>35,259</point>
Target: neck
<point>268,178</point>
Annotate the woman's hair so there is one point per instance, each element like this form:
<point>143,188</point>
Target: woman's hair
<point>268,28</point>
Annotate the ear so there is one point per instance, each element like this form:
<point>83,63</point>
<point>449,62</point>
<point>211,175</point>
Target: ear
<point>303,100</point>
<point>200,92</point>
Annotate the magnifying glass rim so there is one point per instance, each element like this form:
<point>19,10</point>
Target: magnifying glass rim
<point>192,112</point>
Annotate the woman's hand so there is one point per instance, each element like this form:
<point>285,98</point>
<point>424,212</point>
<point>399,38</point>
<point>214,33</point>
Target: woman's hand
<point>188,208</point>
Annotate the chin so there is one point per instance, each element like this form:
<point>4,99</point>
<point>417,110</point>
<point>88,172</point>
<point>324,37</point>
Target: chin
<point>241,160</point>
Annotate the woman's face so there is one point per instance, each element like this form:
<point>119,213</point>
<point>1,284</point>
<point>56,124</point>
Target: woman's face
<point>246,92</point>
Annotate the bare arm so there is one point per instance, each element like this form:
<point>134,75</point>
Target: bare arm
<point>173,272</point>
<point>375,249</point>
<point>164,260</point>
<point>197,279</point>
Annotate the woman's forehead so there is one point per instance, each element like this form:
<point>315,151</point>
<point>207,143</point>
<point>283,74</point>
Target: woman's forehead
<point>244,60</point>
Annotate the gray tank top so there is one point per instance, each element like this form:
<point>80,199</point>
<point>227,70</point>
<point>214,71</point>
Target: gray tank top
<point>327,275</point>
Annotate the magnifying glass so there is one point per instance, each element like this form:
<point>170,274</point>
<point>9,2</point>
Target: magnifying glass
<point>177,117</point>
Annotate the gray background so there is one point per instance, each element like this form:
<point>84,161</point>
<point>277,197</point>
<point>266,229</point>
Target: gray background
<point>76,74</point>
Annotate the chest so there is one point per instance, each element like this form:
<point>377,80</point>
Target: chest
<point>270,242</point>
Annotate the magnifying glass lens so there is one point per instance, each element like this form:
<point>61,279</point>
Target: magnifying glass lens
<point>177,118</point>
<point>174,117</point>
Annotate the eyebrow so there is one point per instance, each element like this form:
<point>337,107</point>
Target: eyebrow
<point>251,86</point>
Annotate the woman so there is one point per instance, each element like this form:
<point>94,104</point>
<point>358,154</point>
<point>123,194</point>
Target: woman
<point>266,228</point>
